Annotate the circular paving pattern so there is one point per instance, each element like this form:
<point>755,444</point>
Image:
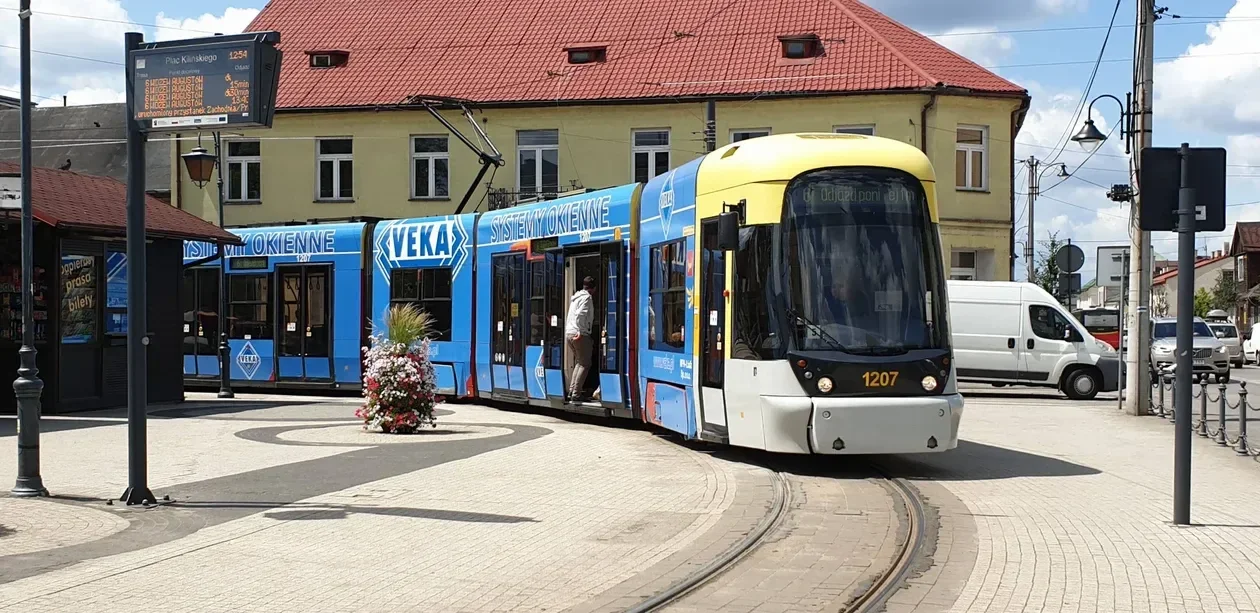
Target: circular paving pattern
<point>354,434</point>
<point>31,524</point>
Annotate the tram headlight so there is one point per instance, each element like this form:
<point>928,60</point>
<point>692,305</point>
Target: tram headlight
<point>929,383</point>
<point>824,385</point>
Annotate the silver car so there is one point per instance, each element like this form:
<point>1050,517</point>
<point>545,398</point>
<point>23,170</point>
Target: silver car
<point>1228,334</point>
<point>1211,357</point>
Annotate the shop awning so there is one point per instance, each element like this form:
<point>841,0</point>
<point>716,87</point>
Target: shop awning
<point>73,201</point>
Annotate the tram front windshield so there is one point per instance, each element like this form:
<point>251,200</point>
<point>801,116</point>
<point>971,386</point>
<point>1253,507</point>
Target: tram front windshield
<point>861,264</point>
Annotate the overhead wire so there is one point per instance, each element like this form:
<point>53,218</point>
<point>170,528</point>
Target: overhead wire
<point>1084,101</point>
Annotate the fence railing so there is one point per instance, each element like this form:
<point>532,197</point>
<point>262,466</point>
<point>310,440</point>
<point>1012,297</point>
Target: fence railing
<point>1213,412</point>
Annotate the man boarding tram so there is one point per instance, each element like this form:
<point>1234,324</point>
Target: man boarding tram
<point>577,334</point>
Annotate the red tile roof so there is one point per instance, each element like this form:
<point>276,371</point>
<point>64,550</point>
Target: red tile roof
<point>503,51</point>
<point>1199,263</point>
<point>67,199</point>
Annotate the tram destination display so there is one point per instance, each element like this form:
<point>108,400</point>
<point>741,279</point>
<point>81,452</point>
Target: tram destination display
<point>209,83</point>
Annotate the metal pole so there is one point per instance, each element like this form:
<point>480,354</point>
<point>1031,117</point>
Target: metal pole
<point>137,491</point>
<point>225,373</point>
<point>1185,342</point>
<point>1139,378</point>
<point>27,387</point>
<point>1030,248</point>
<point>710,125</point>
<point>1120,306</point>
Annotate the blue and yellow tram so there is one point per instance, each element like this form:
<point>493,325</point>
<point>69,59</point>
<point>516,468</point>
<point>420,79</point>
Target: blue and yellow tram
<point>784,293</point>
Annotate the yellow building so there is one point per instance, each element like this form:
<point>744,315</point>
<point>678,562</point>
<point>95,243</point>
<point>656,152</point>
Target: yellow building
<point>600,104</point>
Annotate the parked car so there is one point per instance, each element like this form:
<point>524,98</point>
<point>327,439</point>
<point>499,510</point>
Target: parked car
<point>1008,333</point>
<point>1211,357</point>
<point>1251,343</point>
<point>1228,334</point>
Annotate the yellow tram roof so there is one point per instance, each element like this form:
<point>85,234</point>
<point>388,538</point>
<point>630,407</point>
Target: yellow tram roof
<point>781,157</point>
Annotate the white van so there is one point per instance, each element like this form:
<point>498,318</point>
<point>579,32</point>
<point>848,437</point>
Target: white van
<point>1009,333</point>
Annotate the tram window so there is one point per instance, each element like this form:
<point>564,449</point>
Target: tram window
<point>667,311</point>
<point>249,308</point>
<point>537,300</point>
<point>430,290</point>
<point>188,304</point>
<point>754,337</point>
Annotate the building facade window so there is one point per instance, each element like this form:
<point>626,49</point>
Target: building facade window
<point>971,170</point>
<point>244,176</point>
<point>430,167</point>
<point>738,135</point>
<point>334,162</point>
<point>538,171</point>
<point>962,266</point>
<point>651,154</point>
<point>866,129</point>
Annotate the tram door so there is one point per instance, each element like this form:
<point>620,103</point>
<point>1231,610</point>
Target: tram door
<point>305,323</point>
<point>712,326</point>
<point>508,321</point>
<point>612,341</point>
<point>200,299</point>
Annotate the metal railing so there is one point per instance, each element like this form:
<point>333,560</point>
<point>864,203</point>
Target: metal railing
<point>1217,426</point>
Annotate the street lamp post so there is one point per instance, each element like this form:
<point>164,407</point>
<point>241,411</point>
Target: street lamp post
<point>27,387</point>
<point>201,165</point>
<point>1135,130</point>
<point>1034,187</point>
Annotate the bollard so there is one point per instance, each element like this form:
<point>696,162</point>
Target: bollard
<point>1221,437</point>
<point>1160,381</point>
<point>1242,419</point>
<point>1203,432</point>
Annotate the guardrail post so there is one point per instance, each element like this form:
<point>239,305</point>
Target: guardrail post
<point>1221,437</point>
<point>1203,400</point>
<point>1242,419</point>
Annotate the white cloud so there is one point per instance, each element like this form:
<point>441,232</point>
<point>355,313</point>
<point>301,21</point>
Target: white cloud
<point>93,33</point>
<point>1216,84</point>
<point>937,15</point>
<point>232,20</point>
<point>984,47</point>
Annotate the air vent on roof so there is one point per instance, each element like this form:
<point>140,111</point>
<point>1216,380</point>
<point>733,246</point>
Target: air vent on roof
<point>587,54</point>
<point>801,46</point>
<point>328,59</point>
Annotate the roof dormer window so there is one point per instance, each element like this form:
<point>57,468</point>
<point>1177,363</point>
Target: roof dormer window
<point>587,54</point>
<point>801,46</point>
<point>328,59</point>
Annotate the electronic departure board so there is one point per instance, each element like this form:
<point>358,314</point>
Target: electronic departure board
<point>206,83</point>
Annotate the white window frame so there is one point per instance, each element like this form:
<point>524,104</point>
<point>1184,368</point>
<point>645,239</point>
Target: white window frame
<point>651,151</point>
<point>961,273</point>
<point>244,161</point>
<point>767,131</point>
<point>538,152</point>
<point>983,148</point>
<point>853,129</point>
<point>336,159</point>
<point>432,157</point>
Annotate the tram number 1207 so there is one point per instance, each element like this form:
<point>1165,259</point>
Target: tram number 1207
<point>877,378</point>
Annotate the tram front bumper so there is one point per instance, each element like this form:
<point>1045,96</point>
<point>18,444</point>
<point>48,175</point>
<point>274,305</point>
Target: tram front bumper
<point>857,426</point>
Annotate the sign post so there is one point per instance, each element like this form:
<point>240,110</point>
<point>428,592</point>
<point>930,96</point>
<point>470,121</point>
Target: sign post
<point>1112,268</point>
<point>1200,205</point>
<point>213,82</point>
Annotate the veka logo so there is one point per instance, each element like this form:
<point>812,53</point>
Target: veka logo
<point>666,202</point>
<point>442,243</point>
<point>248,361</point>
<point>540,373</point>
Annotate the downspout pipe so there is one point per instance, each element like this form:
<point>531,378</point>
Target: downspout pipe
<point>1017,120</point>
<point>923,126</point>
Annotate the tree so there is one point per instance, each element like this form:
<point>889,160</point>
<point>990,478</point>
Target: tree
<point>1225,293</point>
<point>1202,302</point>
<point>1046,270</point>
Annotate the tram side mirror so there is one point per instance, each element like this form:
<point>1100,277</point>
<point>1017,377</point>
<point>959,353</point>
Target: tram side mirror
<point>728,231</point>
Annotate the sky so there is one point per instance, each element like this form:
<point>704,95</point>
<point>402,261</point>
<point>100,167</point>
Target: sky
<point>1207,85</point>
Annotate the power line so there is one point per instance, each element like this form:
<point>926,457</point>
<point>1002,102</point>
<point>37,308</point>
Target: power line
<point>73,57</point>
<point>1204,21</point>
<point>105,20</point>
<point>1089,85</point>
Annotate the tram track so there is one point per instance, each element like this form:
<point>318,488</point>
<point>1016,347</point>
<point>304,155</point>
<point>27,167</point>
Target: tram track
<point>876,594</point>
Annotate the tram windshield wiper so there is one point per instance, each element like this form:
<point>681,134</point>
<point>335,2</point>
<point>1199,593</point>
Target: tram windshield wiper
<point>831,340</point>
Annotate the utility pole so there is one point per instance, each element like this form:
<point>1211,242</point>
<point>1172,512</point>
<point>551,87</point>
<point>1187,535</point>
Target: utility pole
<point>28,387</point>
<point>1030,247</point>
<point>1138,377</point>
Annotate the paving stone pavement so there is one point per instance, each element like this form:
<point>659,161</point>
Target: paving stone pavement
<point>548,523</point>
<point>1065,506</point>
